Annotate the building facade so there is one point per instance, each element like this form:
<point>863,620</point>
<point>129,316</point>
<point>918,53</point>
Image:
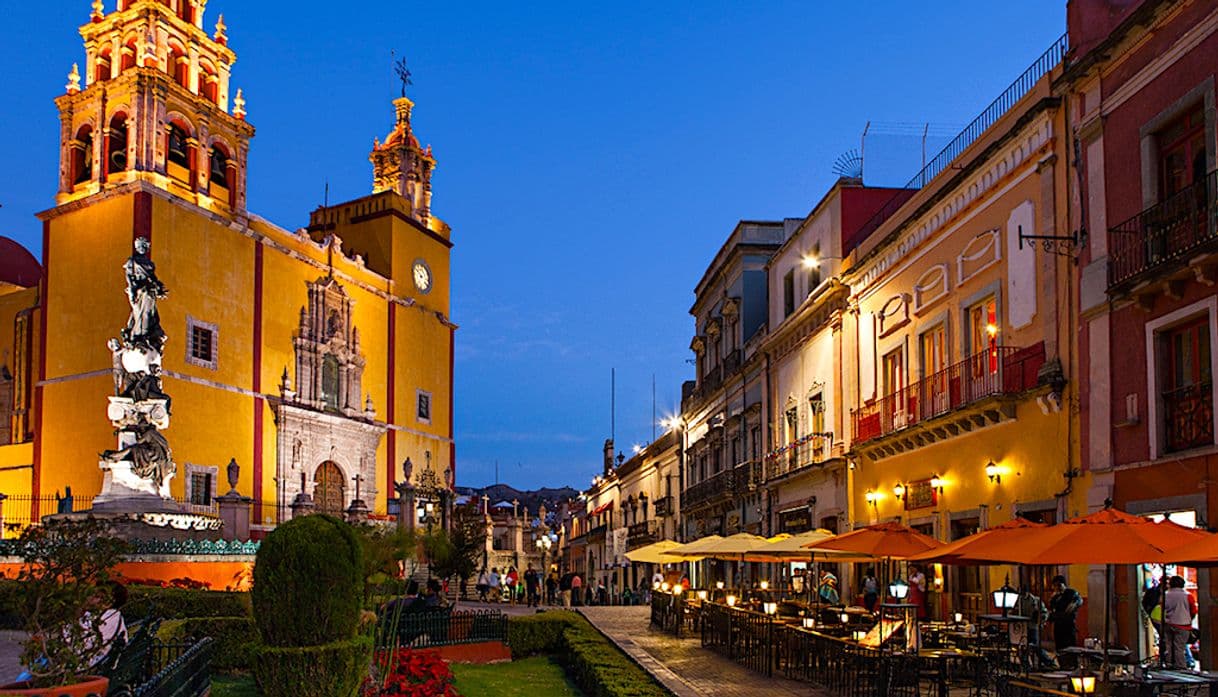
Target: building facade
<point>318,358</point>
<point>1140,93</point>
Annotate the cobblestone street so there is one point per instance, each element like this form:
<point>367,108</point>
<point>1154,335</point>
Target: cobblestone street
<point>682,665</point>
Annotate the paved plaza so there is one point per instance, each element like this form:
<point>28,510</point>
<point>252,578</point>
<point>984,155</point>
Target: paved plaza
<point>682,665</point>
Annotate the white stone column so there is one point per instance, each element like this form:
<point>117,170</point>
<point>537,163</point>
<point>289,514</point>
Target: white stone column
<point>192,79</point>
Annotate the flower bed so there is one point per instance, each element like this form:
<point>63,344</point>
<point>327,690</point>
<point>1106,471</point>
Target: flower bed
<point>410,673</point>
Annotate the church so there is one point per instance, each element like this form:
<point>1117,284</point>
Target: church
<point>319,359</point>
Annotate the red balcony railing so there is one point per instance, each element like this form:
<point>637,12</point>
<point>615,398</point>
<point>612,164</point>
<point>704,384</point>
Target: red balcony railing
<point>1002,370</point>
<point>1163,234</point>
<point>1189,416</point>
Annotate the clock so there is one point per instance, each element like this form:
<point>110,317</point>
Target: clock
<point>422,276</point>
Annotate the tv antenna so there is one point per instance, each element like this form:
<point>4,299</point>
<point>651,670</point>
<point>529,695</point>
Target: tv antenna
<point>849,165</point>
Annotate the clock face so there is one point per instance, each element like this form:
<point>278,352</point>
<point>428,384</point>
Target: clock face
<point>422,276</point>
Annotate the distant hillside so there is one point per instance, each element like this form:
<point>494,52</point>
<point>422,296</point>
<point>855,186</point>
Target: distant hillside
<point>530,499</point>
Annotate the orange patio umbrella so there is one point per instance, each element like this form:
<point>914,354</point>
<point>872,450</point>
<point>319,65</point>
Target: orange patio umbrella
<point>1199,552</point>
<point>884,540</point>
<point>1108,536</point>
<point>992,538</point>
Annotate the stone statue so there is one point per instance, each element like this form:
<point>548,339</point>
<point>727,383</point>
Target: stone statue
<point>408,470</point>
<point>149,455</point>
<point>143,290</point>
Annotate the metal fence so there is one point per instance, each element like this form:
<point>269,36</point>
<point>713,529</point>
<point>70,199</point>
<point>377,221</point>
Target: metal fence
<point>1164,234</point>
<point>182,672</point>
<point>445,627</point>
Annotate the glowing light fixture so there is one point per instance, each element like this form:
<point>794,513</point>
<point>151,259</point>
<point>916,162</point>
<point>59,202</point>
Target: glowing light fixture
<point>731,601</point>
<point>719,585</point>
<point>664,586</point>
<point>770,608</point>
<point>678,589</point>
<point>991,471</point>
<point>957,618</point>
<point>899,491</point>
<point>898,589</point>
<point>1083,683</point>
<point>844,617</point>
<point>991,330</point>
<point>1005,597</point>
<point>702,595</point>
<point>809,623</point>
<point>765,585</point>
<point>809,261</point>
<point>937,482</point>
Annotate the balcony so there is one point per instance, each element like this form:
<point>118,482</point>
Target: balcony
<point>663,507</point>
<point>1165,237</point>
<point>1188,414</point>
<point>722,487</point>
<point>641,533</point>
<point>814,451</point>
<point>1005,370</point>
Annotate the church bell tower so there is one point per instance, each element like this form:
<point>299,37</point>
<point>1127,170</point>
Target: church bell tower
<point>401,165</point>
<point>152,103</point>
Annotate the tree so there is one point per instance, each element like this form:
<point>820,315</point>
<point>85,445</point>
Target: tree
<point>466,542</point>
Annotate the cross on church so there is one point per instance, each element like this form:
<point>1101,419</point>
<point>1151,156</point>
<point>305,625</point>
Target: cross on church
<point>403,73</point>
<point>358,478</point>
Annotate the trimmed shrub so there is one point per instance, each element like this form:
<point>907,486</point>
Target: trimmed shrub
<point>336,669</point>
<point>308,582</point>
<point>593,662</point>
<point>236,639</point>
<point>180,603</point>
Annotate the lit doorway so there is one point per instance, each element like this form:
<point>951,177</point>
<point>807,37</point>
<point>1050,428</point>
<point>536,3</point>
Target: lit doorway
<point>1149,575</point>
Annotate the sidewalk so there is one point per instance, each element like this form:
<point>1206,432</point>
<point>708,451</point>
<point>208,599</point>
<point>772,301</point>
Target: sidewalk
<point>682,665</point>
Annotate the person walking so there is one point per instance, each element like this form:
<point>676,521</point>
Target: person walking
<point>564,588</point>
<point>495,580</point>
<point>1179,609</point>
<point>577,588</point>
<point>1063,608</point>
<point>551,586</point>
<point>917,590</point>
<point>484,585</point>
<point>532,582</point>
<point>871,590</point>
<point>512,579</point>
<point>1031,606</point>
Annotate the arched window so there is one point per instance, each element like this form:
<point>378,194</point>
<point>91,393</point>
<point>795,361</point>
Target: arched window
<point>219,166</point>
<point>328,486</point>
<point>101,71</point>
<point>116,150</point>
<point>179,65</point>
<point>129,54</point>
<point>82,155</point>
<point>209,83</point>
<point>178,148</point>
<point>330,381</point>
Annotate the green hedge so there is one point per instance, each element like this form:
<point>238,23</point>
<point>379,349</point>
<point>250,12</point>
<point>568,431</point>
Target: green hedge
<point>331,670</point>
<point>145,602</point>
<point>181,603</point>
<point>593,662</point>
<point>308,582</point>
<point>236,639</point>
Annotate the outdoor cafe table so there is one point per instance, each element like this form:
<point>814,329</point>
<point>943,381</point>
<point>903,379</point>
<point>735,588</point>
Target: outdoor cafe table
<point>1155,682</point>
<point>1114,655</point>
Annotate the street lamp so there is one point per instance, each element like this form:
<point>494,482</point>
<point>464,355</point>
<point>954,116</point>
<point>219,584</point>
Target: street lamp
<point>1082,683</point>
<point>1005,597</point>
<point>898,589</point>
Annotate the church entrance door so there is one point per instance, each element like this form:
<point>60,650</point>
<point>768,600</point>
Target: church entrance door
<point>328,488</point>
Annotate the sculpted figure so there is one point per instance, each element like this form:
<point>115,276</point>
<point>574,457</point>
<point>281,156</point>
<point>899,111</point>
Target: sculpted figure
<point>143,290</point>
<point>149,455</point>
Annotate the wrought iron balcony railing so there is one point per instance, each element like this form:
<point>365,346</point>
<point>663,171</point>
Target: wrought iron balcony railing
<point>724,485</point>
<point>818,448</point>
<point>641,533</point>
<point>663,506</point>
<point>1002,370</point>
<point>1163,235</point>
<point>1189,416</point>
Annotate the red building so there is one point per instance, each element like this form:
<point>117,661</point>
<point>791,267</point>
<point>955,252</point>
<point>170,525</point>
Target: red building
<point>1139,89</point>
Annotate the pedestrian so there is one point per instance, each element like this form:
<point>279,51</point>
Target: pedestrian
<point>512,578</point>
<point>1179,609</point>
<point>483,586</point>
<point>532,583</point>
<point>826,589</point>
<point>871,590</point>
<point>917,590</point>
<point>601,594</point>
<point>1152,605</point>
<point>1063,608</point>
<point>577,587</point>
<point>494,584</point>
<point>551,586</point>
<point>564,588</point>
<point>1031,606</point>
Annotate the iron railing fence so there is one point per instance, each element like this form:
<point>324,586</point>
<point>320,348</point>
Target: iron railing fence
<point>1012,94</point>
<point>1189,416</point>
<point>445,627</point>
<point>1164,234</point>
<point>996,371</point>
<point>188,674</point>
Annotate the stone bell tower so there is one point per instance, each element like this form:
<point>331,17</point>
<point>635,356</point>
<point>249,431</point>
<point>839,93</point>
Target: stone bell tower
<point>401,165</point>
<point>152,103</point>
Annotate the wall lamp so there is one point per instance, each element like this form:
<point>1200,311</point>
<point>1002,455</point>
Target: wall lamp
<point>899,491</point>
<point>991,471</point>
<point>872,497</point>
<point>936,483</point>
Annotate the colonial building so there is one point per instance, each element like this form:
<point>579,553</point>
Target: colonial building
<point>804,466</point>
<point>957,362</point>
<point>723,432</point>
<point>1139,89</point>
<point>318,358</point>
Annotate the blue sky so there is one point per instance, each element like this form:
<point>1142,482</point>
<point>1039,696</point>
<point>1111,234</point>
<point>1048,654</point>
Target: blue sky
<point>591,162</point>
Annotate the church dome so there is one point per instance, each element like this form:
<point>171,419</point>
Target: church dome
<point>17,265</point>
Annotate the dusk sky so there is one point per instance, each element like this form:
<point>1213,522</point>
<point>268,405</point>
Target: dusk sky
<point>590,161</point>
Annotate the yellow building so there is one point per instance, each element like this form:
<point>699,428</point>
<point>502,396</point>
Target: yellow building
<point>960,345</point>
<point>319,357</point>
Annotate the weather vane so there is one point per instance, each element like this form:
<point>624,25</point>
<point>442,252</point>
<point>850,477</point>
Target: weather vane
<point>403,73</point>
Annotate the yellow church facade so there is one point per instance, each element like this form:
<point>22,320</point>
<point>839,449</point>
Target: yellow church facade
<point>319,359</point>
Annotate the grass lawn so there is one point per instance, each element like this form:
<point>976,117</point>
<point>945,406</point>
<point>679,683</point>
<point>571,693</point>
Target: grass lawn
<point>233,686</point>
<point>528,677</point>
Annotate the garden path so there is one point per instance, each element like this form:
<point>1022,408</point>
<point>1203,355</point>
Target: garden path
<point>10,654</point>
<point>682,665</point>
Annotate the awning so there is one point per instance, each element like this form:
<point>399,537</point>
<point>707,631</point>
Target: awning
<point>601,508</point>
